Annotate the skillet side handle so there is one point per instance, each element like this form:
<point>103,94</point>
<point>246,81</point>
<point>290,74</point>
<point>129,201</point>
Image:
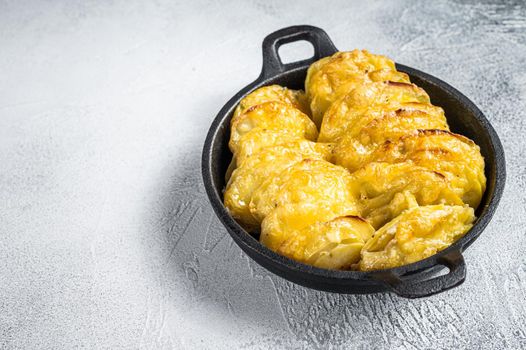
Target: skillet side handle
<point>272,63</point>
<point>418,289</point>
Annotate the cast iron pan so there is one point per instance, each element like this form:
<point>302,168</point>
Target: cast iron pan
<point>412,281</point>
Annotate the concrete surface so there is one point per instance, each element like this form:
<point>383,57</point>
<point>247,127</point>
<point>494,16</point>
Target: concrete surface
<point>107,239</point>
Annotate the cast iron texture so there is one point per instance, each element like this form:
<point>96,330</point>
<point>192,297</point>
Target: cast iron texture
<point>412,281</point>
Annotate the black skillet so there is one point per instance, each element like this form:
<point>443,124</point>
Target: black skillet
<point>412,281</point>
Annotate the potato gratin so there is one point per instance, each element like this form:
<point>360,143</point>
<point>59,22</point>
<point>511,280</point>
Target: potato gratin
<point>360,171</point>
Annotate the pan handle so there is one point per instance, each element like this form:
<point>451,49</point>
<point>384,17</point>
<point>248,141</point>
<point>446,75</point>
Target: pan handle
<point>415,288</point>
<point>272,63</point>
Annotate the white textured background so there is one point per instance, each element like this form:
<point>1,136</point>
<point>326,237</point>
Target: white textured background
<point>107,239</point>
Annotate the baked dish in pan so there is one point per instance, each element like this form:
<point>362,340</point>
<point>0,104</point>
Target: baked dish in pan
<point>359,172</point>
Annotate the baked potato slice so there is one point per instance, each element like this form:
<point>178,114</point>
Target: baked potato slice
<point>414,235</point>
<point>261,166</point>
<point>315,235</point>
<point>273,116</point>
<point>312,181</point>
<point>388,74</point>
<point>355,148</point>
<point>272,93</point>
<point>332,77</point>
<point>385,190</point>
<point>452,155</point>
<point>258,139</point>
<point>372,100</point>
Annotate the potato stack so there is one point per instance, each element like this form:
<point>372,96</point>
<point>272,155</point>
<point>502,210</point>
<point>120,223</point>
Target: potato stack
<point>284,186</point>
<point>385,160</point>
